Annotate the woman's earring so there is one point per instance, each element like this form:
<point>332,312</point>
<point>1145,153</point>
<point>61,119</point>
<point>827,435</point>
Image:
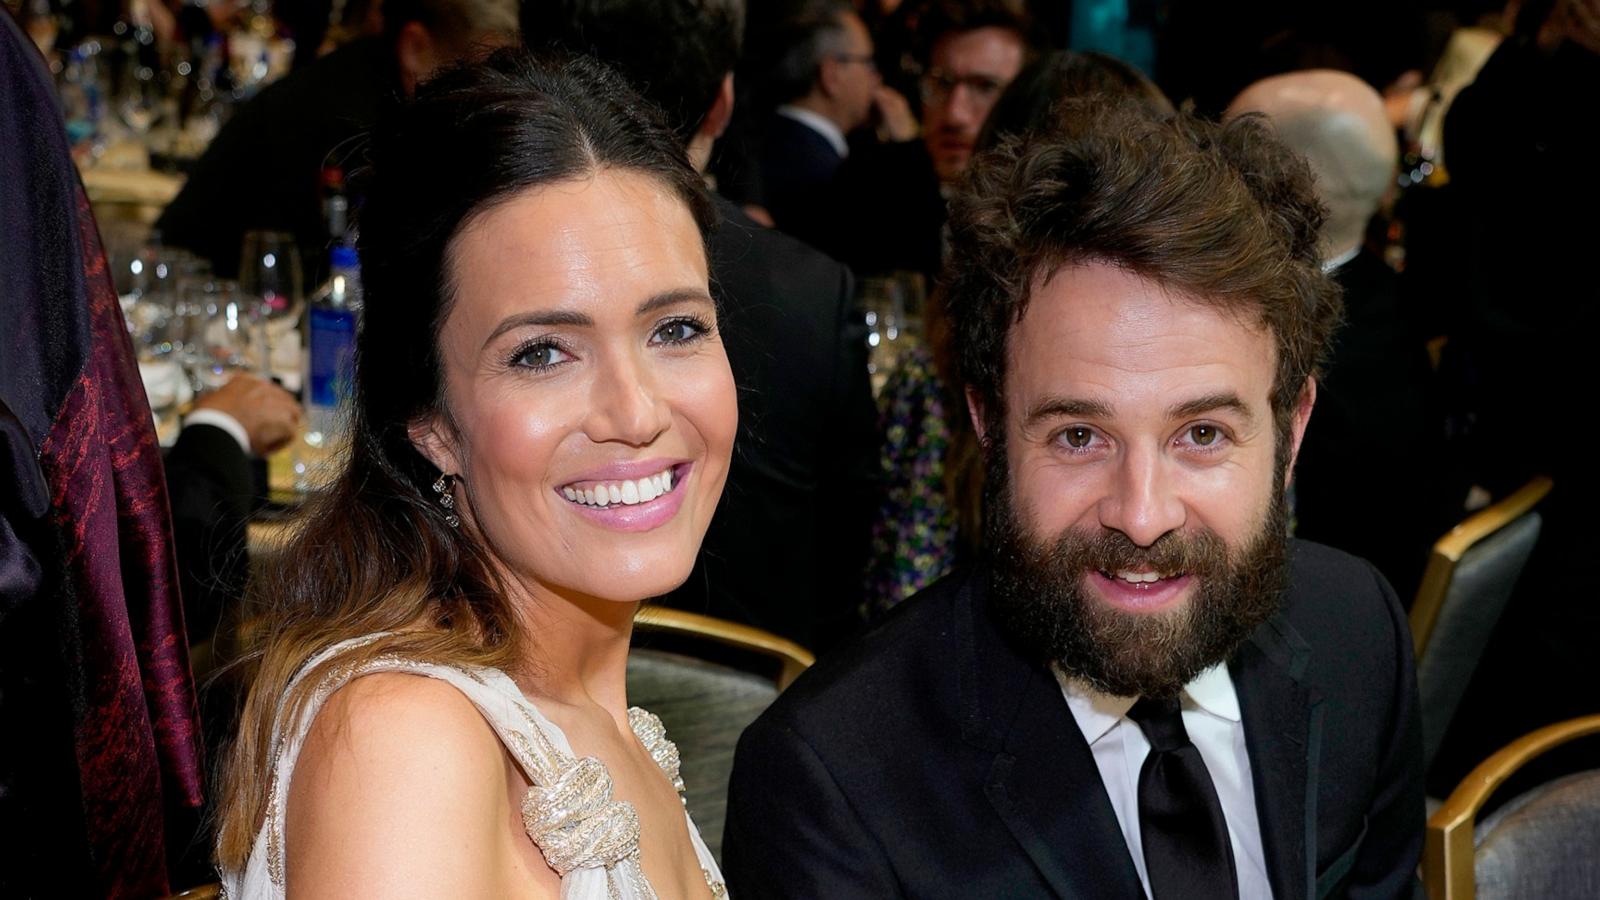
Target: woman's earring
<point>447,499</point>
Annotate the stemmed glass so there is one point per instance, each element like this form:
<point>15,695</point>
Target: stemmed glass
<point>139,95</point>
<point>229,335</point>
<point>269,274</point>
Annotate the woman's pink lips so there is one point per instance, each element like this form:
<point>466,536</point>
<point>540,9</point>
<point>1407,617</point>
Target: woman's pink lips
<point>1141,598</point>
<point>639,516</point>
<point>627,471</point>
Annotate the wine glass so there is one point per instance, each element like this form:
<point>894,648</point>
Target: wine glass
<point>269,274</point>
<point>230,335</point>
<point>139,95</point>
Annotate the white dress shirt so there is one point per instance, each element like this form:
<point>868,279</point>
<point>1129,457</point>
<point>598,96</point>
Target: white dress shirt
<point>208,416</point>
<point>1212,718</point>
<point>819,123</point>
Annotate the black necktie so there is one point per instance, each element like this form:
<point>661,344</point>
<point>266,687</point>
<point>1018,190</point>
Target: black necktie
<point>1185,837</point>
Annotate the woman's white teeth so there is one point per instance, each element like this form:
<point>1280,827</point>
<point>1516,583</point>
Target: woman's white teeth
<point>624,493</point>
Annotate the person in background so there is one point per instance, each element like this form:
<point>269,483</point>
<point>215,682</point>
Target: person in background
<point>1148,690</point>
<point>824,82</point>
<point>102,772</point>
<point>887,203</point>
<point>213,491</point>
<point>264,169</point>
<point>804,465</point>
<point>1378,379</point>
<point>929,521</point>
<point>1521,141</point>
<point>1207,53</point>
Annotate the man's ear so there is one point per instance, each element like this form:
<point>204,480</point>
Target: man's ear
<point>1298,421</point>
<point>975,410</point>
<point>417,54</point>
<point>435,440</point>
<point>828,71</point>
<point>716,120</point>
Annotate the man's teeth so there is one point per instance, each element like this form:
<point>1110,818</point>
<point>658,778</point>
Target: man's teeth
<point>621,493</point>
<point>1140,577</point>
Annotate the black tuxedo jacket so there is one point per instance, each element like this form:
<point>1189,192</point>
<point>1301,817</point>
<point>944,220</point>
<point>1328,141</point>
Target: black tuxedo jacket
<point>929,759</point>
<point>797,165</point>
<point>787,547</point>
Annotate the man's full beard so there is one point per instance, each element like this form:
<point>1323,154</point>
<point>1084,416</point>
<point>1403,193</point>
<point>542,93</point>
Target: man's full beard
<point>1043,602</point>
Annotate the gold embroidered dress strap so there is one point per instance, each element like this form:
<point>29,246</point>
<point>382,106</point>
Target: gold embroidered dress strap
<point>589,838</point>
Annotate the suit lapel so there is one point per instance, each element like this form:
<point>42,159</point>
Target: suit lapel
<point>1043,781</point>
<point>1282,728</point>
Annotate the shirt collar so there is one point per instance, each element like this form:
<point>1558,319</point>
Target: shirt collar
<point>1329,266</point>
<point>1097,713</point>
<point>820,124</point>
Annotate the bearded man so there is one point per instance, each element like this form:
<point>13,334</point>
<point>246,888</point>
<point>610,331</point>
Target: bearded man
<point>1148,689</point>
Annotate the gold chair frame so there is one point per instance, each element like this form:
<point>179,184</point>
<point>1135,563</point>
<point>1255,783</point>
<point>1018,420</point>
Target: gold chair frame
<point>792,658</point>
<point>1447,852</point>
<point>1448,550</point>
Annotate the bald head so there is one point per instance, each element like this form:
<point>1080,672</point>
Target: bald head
<point>1338,122</point>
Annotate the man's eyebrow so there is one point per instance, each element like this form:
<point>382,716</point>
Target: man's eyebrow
<point>1068,407</point>
<point>1222,400</point>
<point>547,318</point>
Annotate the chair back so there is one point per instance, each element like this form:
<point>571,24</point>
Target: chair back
<point>1540,845</point>
<point>706,703</point>
<point>1471,575</point>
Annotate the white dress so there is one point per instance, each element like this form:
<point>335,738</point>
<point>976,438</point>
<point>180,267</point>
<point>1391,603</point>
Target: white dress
<point>588,838</point>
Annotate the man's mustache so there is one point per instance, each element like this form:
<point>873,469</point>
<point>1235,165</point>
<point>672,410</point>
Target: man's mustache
<point>1107,550</point>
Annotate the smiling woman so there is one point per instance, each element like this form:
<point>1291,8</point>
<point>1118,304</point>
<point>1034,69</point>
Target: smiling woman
<point>541,425</point>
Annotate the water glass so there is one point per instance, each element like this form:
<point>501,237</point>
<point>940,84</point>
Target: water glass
<point>230,337</point>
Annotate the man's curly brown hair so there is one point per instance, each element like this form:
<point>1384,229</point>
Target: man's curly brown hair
<point>1223,214</point>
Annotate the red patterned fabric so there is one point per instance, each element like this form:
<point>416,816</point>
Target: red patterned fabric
<point>94,667</point>
<point>137,730</point>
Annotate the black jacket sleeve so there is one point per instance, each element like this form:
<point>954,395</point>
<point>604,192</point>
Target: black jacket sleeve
<point>210,486</point>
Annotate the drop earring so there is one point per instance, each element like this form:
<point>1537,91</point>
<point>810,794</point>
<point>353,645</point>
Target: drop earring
<point>447,499</point>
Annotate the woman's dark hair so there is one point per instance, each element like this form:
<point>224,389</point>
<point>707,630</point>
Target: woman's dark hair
<point>374,552</point>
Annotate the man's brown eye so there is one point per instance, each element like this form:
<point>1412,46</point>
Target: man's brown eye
<point>1204,435</point>
<point>1077,438</point>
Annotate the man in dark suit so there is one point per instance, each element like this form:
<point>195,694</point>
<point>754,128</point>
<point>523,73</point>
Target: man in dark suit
<point>787,547</point>
<point>213,491</point>
<point>1147,689</point>
<point>824,82</point>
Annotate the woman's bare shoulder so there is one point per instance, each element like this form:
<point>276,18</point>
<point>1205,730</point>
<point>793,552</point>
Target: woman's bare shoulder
<point>400,790</point>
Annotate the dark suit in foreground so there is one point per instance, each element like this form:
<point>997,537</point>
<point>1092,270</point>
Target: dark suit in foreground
<point>929,759</point>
